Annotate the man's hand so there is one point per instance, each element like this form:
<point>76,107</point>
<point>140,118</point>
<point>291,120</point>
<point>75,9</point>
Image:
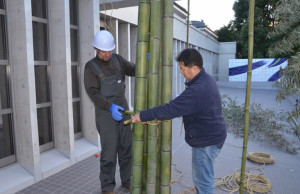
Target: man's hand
<point>136,118</point>
<point>116,115</point>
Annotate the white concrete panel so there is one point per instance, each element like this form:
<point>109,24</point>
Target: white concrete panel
<point>227,51</point>
<point>14,178</point>
<point>52,162</point>
<point>60,53</point>
<point>196,37</point>
<point>122,14</point>
<point>84,149</point>
<point>124,51</point>
<point>227,47</point>
<point>89,25</point>
<point>116,4</point>
<point>20,40</point>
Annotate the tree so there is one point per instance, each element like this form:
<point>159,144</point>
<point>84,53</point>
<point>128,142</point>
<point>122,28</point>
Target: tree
<point>226,33</point>
<point>230,34</point>
<point>237,29</point>
<point>286,43</point>
<point>263,23</point>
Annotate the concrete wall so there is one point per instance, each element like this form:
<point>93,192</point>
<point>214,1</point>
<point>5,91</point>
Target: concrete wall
<point>32,165</point>
<point>227,51</point>
<point>122,14</point>
<point>215,55</point>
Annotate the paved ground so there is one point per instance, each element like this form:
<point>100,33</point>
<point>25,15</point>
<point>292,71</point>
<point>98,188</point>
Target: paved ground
<point>82,177</point>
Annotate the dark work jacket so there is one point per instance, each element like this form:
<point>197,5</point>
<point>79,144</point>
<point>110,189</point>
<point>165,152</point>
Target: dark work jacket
<point>201,107</point>
<point>92,81</point>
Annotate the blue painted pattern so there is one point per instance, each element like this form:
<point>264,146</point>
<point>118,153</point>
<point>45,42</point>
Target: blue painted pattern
<point>274,77</point>
<point>263,70</point>
<point>243,69</point>
<point>277,61</point>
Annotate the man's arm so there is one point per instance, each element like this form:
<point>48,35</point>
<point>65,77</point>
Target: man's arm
<point>182,105</point>
<point>128,67</point>
<point>136,118</point>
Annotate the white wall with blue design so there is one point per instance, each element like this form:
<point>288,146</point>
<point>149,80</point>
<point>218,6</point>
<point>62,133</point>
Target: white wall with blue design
<point>263,70</point>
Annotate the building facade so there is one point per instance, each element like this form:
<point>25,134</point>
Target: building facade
<point>46,118</point>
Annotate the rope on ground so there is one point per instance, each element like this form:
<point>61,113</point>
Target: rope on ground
<point>189,188</point>
<point>253,182</point>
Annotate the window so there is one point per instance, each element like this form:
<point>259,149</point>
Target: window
<point>75,68</point>
<point>40,43</point>
<point>42,73</point>
<point>3,46</point>
<point>7,147</point>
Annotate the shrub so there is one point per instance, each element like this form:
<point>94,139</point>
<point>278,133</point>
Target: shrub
<point>264,124</point>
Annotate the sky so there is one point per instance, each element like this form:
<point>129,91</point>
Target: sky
<point>214,13</point>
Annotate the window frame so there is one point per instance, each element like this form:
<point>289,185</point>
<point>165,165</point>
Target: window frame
<point>77,64</point>
<point>47,63</point>
<point>8,111</point>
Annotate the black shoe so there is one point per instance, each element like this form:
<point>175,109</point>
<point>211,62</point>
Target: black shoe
<point>125,185</point>
<point>108,192</point>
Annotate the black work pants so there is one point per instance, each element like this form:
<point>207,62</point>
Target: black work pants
<point>116,141</point>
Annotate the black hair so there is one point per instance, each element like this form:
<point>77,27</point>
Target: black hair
<point>190,57</point>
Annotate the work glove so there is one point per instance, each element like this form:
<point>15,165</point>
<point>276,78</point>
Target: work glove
<point>116,115</point>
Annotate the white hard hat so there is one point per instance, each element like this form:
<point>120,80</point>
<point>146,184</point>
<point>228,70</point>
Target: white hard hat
<point>104,41</point>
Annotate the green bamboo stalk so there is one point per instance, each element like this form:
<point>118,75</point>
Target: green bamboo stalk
<point>127,122</point>
<point>159,102</point>
<point>152,93</point>
<point>140,94</point>
<point>167,96</point>
<point>248,87</point>
<point>145,158</point>
<point>145,150</point>
<point>188,25</point>
<point>129,112</point>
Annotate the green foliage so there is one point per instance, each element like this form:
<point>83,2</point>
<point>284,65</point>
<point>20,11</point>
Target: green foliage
<point>286,43</point>
<point>237,30</point>
<point>263,23</point>
<point>226,33</point>
<point>264,124</point>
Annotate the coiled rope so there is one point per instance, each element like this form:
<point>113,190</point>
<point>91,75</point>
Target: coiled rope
<point>253,182</point>
<point>189,188</point>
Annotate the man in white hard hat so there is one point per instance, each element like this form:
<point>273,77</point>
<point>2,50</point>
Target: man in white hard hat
<point>104,78</point>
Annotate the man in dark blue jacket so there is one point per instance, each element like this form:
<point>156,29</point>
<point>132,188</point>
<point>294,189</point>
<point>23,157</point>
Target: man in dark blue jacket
<point>201,107</point>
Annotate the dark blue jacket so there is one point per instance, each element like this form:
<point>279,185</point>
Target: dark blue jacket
<point>201,107</point>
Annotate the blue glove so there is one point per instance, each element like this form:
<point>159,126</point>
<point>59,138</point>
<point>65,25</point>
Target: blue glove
<point>114,109</point>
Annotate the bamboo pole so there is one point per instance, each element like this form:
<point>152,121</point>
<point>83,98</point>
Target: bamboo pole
<point>248,87</point>
<point>140,94</point>
<point>188,25</point>
<point>145,156</point>
<point>152,96</point>
<point>159,100</point>
<point>167,96</point>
